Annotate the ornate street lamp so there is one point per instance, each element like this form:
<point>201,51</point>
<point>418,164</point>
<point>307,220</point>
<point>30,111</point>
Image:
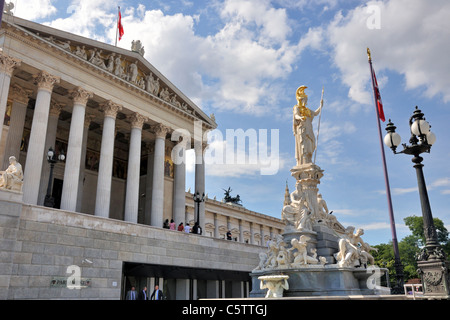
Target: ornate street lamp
<point>198,199</point>
<point>49,201</point>
<point>432,265</point>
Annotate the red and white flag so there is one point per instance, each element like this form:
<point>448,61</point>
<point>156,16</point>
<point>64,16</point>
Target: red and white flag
<point>377,95</point>
<point>120,26</point>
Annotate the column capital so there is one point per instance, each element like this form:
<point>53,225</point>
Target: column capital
<point>88,119</point>
<point>160,130</point>
<point>20,94</point>
<point>137,120</point>
<point>80,95</point>
<point>45,80</point>
<point>110,108</point>
<point>8,64</point>
<point>55,108</point>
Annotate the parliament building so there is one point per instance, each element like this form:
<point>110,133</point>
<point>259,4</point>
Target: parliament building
<point>89,225</point>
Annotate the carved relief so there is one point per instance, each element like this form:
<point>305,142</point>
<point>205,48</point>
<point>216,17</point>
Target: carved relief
<point>123,69</point>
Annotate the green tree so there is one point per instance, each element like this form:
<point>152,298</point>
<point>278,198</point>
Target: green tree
<point>409,247</point>
<point>415,224</point>
<point>384,258</point>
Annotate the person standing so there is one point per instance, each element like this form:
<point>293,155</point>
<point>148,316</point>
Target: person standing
<point>157,294</point>
<point>132,294</point>
<point>143,294</point>
<point>187,228</point>
<point>197,229</point>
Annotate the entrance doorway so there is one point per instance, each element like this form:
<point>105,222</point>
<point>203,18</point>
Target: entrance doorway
<point>183,283</point>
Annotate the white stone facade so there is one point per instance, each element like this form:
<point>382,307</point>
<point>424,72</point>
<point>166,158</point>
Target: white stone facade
<point>112,114</point>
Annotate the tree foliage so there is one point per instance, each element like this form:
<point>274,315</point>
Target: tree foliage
<point>409,247</point>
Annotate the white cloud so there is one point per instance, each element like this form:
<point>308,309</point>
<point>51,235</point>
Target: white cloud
<point>241,153</point>
<point>400,191</point>
<point>412,39</point>
<point>381,226</point>
<point>88,18</point>
<point>441,182</point>
<point>33,9</point>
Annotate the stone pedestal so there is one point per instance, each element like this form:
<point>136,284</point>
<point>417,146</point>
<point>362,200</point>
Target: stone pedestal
<point>327,243</point>
<point>435,278</point>
<point>308,175</point>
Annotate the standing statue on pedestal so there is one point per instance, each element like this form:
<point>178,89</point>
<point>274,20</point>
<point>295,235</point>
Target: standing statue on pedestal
<point>305,140</point>
<point>315,252</point>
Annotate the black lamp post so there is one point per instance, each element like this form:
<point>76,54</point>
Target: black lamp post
<point>52,159</point>
<point>432,265</point>
<point>198,199</point>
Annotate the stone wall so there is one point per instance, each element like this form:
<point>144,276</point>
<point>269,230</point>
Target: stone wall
<point>40,244</point>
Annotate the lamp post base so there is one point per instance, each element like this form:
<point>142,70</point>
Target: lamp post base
<point>435,278</point>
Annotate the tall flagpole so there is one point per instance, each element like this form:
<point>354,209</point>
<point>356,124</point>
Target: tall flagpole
<point>2,4</point>
<point>398,265</point>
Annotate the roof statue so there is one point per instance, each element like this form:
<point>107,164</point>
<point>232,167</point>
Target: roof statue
<point>229,199</point>
<point>137,46</point>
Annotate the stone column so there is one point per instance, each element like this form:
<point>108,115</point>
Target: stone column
<point>36,144</point>
<point>20,97</point>
<point>72,170</point>
<point>50,140</point>
<point>158,175</point>
<point>241,231</point>
<point>7,66</point>
<point>87,122</point>
<point>148,184</point>
<point>200,180</point>
<point>134,165</point>
<point>216,226</point>
<point>263,242</point>
<point>252,234</point>
<point>103,196</point>
<point>179,186</point>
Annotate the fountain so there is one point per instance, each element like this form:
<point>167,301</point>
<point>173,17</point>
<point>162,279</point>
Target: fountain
<point>316,255</point>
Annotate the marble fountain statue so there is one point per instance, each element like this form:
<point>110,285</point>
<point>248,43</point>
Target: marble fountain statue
<point>316,255</point>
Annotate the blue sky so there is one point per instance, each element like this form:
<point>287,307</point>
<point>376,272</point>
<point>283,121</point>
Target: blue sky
<point>243,61</point>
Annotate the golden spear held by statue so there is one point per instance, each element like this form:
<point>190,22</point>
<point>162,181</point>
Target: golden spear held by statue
<point>318,126</point>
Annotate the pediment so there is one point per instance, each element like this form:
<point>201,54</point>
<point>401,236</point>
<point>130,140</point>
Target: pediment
<point>126,66</point>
